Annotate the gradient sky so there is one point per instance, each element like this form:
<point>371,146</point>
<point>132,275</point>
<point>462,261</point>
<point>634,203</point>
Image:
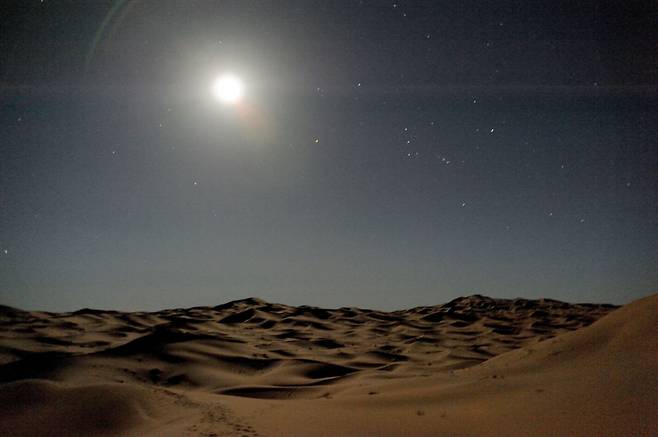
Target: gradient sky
<point>387,154</point>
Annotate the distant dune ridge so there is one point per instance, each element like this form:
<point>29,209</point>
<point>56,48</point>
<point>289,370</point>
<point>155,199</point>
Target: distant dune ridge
<point>472,366</point>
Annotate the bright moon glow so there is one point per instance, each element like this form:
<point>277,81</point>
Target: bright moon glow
<point>228,89</point>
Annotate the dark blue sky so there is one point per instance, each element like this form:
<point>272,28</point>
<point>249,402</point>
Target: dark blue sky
<point>386,155</point>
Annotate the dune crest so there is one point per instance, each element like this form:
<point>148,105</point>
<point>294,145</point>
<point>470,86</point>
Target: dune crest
<point>473,366</point>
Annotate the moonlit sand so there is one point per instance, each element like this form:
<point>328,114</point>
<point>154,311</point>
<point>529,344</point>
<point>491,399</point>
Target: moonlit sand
<point>473,366</point>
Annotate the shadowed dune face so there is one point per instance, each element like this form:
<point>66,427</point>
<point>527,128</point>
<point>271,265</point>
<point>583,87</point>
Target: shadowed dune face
<point>59,410</point>
<point>257,352</point>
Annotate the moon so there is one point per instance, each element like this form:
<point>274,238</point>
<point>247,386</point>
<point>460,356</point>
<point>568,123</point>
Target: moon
<point>228,89</point>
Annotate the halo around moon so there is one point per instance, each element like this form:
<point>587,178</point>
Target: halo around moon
<point>228,89</point>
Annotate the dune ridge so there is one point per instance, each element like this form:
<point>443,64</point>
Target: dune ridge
<point>473,366</point>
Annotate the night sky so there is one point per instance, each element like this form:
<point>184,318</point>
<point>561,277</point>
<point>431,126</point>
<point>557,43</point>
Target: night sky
<point>385,154</point>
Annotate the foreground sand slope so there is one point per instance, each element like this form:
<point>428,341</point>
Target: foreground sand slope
<point>473,366</point>
<point>600,380</point>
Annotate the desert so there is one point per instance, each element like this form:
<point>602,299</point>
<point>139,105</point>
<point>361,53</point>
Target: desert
<point>473,366</point>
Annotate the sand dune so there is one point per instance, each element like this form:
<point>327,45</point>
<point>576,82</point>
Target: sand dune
<point>473,366</point>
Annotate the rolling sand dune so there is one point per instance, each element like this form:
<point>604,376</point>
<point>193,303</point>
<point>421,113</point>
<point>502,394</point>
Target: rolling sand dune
<point>473,366</point>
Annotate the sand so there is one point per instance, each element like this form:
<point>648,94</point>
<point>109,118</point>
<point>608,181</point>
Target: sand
<point>474,366</point>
